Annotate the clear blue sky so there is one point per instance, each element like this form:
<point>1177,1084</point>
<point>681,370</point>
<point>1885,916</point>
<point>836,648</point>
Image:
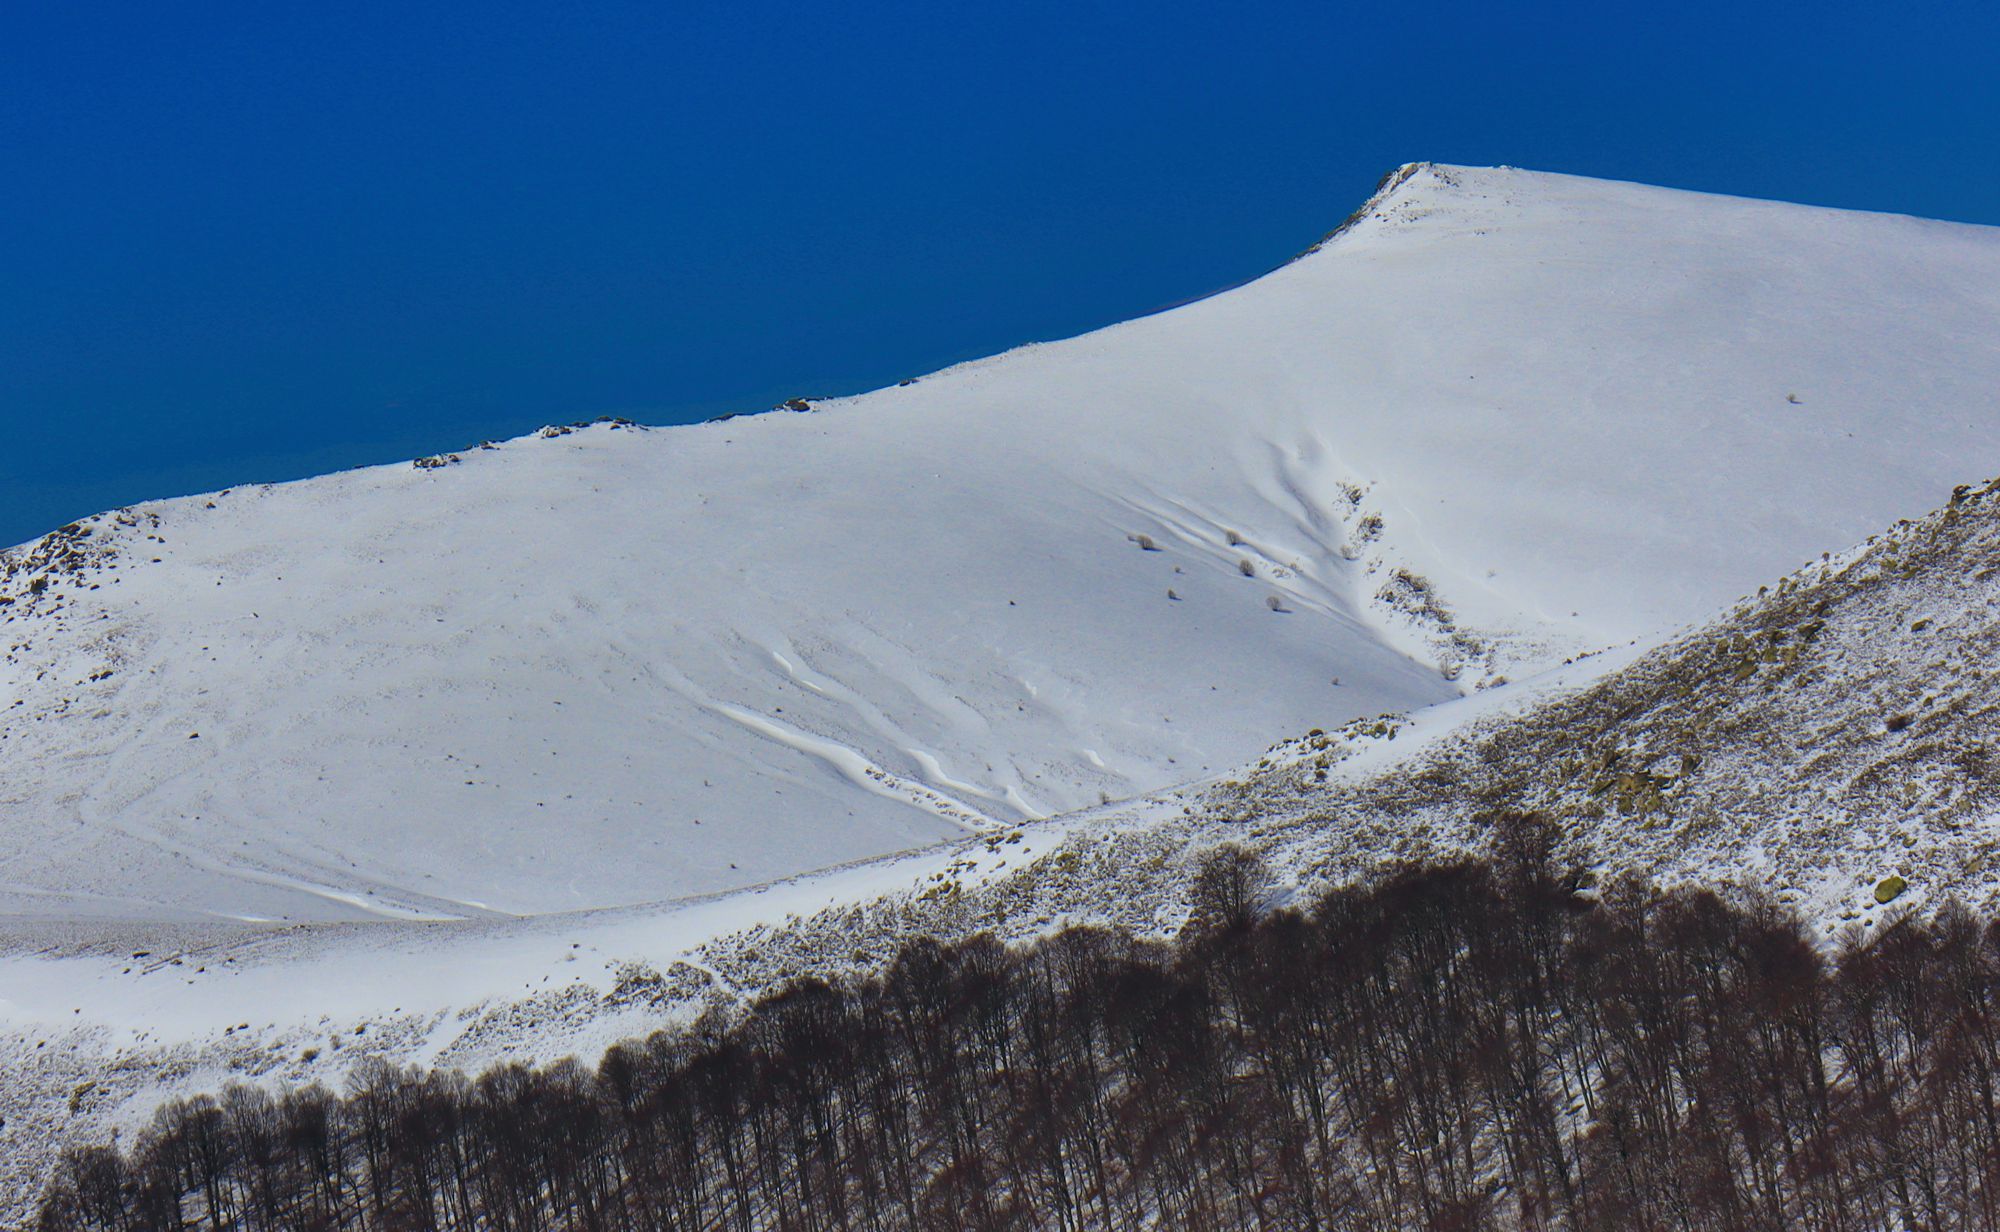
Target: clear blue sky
<point>244,242</point>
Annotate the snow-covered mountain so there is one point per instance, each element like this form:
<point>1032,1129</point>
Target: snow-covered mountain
<point>1502,425</point>
<point>1812,743</point>
<point>1499,419</point>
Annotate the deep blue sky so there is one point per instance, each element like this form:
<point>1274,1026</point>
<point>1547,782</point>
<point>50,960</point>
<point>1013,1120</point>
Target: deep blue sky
<point>257,241</point>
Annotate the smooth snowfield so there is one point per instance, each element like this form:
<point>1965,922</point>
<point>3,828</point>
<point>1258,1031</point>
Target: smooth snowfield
<point>1502,418</point>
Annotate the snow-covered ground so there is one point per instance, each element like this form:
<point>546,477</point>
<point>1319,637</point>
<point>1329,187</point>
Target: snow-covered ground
<point>1808,742</point>
<point>461,762</point>
<point>1503,418</point>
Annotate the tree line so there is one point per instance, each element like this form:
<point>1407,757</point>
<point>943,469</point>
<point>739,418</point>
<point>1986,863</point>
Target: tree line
<point>1485,1044</point>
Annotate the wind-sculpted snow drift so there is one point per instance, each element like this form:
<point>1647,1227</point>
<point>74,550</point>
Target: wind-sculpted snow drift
<point>1500,422</point>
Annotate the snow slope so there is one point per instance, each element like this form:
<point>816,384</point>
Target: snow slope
<point>1835,729</point>
<point>1805,743</point>
<point>1501,418</point>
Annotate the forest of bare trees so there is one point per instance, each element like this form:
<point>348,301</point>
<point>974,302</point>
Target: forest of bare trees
<point>1470,1046</point>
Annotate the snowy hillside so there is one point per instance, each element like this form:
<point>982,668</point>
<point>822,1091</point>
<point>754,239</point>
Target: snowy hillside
<point>1501,419</point>
<point>1835,730</point>
<point>1809,742</point>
